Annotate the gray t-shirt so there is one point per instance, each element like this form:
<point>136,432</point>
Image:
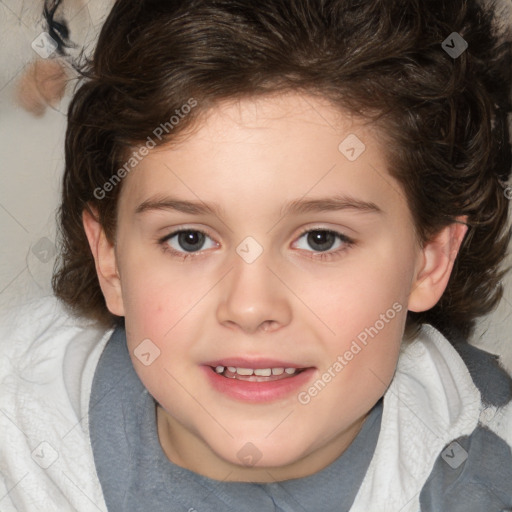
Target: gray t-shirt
<point>136,475</point>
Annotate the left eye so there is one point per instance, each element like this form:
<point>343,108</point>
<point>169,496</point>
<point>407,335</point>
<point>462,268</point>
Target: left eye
<point>322,240</point>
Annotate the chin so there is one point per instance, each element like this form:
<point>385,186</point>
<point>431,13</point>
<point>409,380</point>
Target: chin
<point>261,454</point>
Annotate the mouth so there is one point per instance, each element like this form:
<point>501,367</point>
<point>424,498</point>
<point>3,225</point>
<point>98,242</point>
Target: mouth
<point>261,380</point>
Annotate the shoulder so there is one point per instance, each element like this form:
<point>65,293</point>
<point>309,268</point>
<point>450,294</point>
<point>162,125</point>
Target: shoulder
<point>443,408</point>
<point>35,325</point>
<point>491,379</point>
<point>46,371</point>
<point>48,353</point>
<point>42,345</point>
<point>41,330</point>
<point>474,471</point>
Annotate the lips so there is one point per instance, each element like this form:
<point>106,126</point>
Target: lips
<point>257,380</point>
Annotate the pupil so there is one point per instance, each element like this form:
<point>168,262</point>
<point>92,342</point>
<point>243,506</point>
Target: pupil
<point>189,239</point>
<point>324,240</point>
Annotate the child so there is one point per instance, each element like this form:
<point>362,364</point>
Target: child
<point>283,219</point>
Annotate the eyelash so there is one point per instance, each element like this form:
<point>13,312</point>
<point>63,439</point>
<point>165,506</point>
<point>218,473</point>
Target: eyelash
<point>322,256</point>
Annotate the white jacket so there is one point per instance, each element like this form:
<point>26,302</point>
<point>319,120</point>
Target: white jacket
<point>47,364</point>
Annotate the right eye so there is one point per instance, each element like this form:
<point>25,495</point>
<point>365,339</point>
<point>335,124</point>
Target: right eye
<point>185,241</point>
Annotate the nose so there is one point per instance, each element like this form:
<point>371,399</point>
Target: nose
<point>253,298</point>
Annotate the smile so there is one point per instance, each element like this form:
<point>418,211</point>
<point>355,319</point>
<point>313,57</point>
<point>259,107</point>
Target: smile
<point>257,380</point>
<point>256,374</point>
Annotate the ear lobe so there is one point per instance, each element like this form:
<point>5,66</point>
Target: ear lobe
<point>104,255</point>
<point>437,260</point>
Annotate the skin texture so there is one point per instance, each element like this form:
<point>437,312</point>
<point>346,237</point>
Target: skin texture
<point>252,157</point>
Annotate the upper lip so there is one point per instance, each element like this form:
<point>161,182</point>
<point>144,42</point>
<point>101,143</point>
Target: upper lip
<point>260,363</point>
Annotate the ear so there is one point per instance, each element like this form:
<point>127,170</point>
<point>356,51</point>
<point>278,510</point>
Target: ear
<point>104,255</point>
<point>435,266</point>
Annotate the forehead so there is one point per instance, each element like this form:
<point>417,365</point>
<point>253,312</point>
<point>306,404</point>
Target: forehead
<point>268,151</point>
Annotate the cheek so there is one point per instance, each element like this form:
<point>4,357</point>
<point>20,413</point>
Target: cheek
<point>364,308</point>
<point>148,306</point>
<point>156,295</point>
<point>362,358</point>
<point>165,307</point>
<point>355,298</point>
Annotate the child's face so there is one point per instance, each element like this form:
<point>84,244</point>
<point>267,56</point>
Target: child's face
<point>228,305</point>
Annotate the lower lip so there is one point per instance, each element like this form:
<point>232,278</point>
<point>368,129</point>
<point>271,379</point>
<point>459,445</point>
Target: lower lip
<point>258,391</point>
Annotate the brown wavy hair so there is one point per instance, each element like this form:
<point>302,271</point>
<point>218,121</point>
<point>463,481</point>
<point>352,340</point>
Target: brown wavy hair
<point>380,59</point>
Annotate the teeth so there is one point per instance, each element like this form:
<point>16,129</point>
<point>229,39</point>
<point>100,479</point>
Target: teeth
<point>245,371</point>
<point>263,372</point>
<point>260,372</point>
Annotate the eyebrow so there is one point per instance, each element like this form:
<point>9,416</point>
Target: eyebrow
<point>171,203</point>
<point>334,203</point>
